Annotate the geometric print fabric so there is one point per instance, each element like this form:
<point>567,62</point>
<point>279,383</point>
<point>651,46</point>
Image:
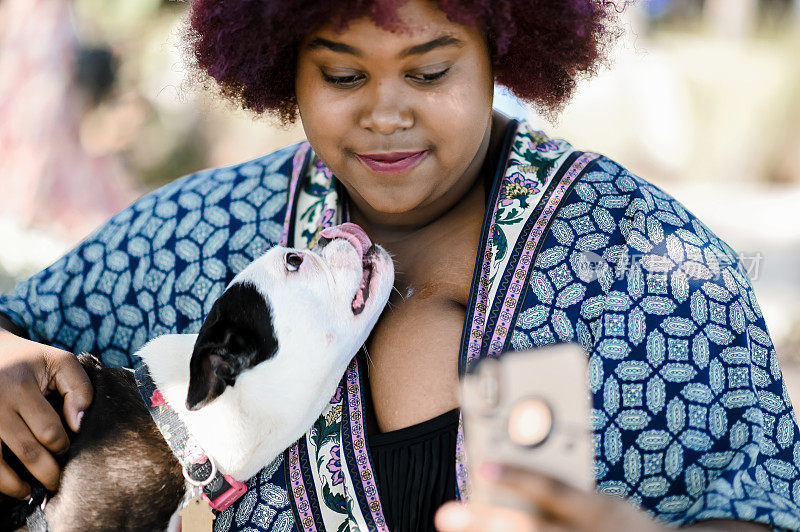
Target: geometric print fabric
<point>159,265</point>
<point>691,418</point>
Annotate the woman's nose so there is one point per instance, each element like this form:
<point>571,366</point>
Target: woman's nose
<point>386,110</point>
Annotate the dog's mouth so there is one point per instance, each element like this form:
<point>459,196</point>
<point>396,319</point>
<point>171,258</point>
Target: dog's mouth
<point>361,242</point>
<point>363,289</point>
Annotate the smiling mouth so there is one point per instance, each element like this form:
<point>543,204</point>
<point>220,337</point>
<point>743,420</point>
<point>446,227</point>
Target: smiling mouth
<point>392,163</point>
<point>361,242</point>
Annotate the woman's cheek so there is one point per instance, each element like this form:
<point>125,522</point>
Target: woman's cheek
<point>457,142</point>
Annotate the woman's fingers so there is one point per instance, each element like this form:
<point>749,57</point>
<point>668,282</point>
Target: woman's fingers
<point>70,379</point>
<point>33,455</point>
<point>453,517</point>
<point>563,505</point>
<point>42,420</point>
<point>458,517</point>
<point>552,496</point>
<point>11,484</point>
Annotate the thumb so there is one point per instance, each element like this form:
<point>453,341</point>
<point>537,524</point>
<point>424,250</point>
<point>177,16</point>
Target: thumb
<point>74,385</point>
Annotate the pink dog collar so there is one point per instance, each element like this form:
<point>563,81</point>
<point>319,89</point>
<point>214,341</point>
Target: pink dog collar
<point>219,490</point>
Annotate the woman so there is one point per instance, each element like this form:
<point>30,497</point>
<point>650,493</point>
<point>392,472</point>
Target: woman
<point>492,226</point>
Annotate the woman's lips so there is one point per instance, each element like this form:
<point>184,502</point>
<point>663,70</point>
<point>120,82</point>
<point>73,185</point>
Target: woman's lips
<point>394,162</point>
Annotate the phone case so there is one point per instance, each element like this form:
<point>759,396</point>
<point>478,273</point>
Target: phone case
<point>530,408</point>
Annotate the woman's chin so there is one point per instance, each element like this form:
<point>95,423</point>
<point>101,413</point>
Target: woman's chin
<point>396,200</point>
<point>410,214</point>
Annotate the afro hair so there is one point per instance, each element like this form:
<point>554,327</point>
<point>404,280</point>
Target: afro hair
<point>539,48</point>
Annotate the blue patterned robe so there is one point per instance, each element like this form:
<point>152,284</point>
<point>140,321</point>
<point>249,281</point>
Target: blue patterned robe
<point>691,418</point>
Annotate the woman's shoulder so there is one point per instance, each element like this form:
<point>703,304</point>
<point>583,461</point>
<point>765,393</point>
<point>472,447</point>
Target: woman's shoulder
<point>645,214</point>
<point>612,215</point>
<point>605,196</point>
<point>160,262</point>
<point>253,191</point>
<point>594,175</point>
<point>270,171</point>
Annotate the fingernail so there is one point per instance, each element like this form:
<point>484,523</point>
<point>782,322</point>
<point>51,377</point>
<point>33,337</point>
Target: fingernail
<point>454,517</point>
<point>79,418</point>
<point>490,471</point>
<point>27,497</point>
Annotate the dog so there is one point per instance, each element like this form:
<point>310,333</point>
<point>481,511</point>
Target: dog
<point>260,371</point>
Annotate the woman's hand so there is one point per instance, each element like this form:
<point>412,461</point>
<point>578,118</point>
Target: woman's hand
<point>563,508</point>
<point>29,426</point>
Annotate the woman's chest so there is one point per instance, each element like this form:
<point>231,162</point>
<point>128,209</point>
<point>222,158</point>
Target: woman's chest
<point>414,348</point>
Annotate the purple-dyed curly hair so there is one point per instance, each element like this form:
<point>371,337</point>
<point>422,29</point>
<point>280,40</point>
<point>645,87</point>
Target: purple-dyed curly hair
<point>538,48</point>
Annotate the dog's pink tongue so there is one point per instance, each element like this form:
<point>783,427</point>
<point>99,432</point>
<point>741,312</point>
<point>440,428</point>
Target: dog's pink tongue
<point>352,233</point>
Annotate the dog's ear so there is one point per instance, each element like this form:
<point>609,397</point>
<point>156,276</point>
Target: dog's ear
<point>237,335</point>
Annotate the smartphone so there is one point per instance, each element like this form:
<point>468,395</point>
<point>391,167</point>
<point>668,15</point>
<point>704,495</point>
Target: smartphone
<point>529,408</point>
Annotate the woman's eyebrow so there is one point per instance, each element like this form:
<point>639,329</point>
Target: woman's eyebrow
<point>438,42</point>
<point>417,49</point>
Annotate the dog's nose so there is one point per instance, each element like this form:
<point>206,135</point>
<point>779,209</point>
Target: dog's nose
<point>293,261</point>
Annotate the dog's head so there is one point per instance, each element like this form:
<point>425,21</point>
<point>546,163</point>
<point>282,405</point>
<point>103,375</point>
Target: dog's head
<point>292,317</point>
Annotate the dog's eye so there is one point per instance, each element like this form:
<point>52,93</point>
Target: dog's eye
<point>293,261</point>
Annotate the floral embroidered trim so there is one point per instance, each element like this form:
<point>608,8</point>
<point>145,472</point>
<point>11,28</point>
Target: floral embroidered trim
<point>305,498</point>
<point>532,163</point>
<point>519,187</point>
<point>462,473</point>
<point>519,211</point>
<point>481,296</point>
<point>324,443</point>
<point>520,276</point>
<point>316,205</point>
<point>354,418</point>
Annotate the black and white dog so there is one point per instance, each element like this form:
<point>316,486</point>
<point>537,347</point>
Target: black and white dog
<point>260,371</point>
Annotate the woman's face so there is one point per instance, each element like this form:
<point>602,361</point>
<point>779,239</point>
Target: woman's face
<point>402,119</point>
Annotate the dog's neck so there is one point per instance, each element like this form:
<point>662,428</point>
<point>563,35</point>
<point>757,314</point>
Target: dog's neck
<point>241,434</point>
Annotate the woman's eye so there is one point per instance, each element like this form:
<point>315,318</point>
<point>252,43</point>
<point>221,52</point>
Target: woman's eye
<point>342,80</point>
<point>427,78</point>
<point>349,81</point>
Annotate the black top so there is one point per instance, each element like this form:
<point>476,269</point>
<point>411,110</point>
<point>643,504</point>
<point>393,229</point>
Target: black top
<point>415,469</point>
